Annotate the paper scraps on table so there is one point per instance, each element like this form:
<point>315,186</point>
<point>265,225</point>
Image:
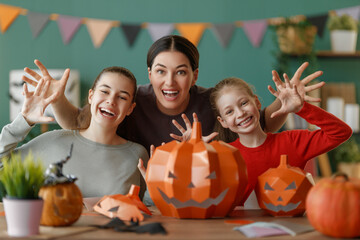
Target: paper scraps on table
<point>274,228</point>
<point>120,226</point>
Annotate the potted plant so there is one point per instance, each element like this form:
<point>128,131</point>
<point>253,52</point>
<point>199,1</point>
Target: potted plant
<point>22,181</point>
<point>347,157</point>
<point>343,33</point>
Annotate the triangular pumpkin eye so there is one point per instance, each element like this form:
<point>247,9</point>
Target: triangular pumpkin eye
<point>267,187</point>
<point>171,175</point>
<point>291,186</point>
<point>212,175</point>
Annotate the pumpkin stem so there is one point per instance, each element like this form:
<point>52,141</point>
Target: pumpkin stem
<point>196,134</point>
<point>341,174</point>
<point>283,161</point>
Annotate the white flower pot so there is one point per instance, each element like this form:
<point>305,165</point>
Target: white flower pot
<point>22,216</point>
<point>343,41</point>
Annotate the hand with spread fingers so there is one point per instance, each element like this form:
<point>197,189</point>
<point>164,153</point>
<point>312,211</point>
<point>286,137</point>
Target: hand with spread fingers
<point>55,86</point>
<point>36,102</point>
<point>186,133</point>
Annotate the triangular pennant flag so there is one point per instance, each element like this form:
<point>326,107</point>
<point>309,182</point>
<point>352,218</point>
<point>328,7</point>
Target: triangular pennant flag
<point>224,32</point>
<point>352,11</point>
<point>192,31</point>
<point>98,30</point>
<point>8,14</point>
<point>320,22</point>
<point>68,27</point>
<point>131,31</point>
<point>37,22</point>
<point>158,30</point>
<point>255,30</point>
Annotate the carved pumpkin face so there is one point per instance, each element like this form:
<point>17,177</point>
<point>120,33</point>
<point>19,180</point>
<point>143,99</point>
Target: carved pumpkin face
<point>282,191</point>
<point>62,204</point>
<point>194,179</point>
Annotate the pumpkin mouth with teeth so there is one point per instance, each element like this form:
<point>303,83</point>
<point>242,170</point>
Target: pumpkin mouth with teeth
<point>195,179</point>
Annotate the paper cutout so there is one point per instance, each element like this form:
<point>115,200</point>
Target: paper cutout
<point>192,31</point>
<point>319,22</point>
<point>37,22</point>
<point>131,31</point>
<point>68,27</point>
<point>159,30</point>
<point>282,191</point>
<point>352,11</point>
<point>239,221</point>
<point>124,207</point>
<point>98,30</point>
<point>255,30</point>
<point>224,32</point>
<point>195,179</point>
<point>8,14</point>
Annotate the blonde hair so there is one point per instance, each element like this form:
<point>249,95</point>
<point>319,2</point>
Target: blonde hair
<point>228,83</point>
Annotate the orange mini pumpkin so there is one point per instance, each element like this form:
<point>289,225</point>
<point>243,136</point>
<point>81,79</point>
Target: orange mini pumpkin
<point>195,179</point>
<point>62,204</point>
<point>282,191</point>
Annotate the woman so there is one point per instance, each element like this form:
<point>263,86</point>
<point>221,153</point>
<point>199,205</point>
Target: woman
<point>104,162</point>
<point>173,68</point>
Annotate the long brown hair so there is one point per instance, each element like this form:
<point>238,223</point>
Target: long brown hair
<point>226,134</point>
<point>84,117</point>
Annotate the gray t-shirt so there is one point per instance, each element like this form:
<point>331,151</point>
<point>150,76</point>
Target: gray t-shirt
<point>101,169</point>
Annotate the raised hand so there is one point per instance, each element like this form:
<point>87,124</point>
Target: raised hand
<point>288,95</point>
<point>36,102</point>
<point>186,133</point>
<point>301,84</point>
<point>56,86</point>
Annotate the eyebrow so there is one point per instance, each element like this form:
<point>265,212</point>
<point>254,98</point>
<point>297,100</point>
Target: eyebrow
<point>122,91</point>
<point>181,65</point>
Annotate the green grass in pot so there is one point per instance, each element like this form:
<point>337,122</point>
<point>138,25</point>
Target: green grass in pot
<point>344,22</point>
<point>22,179</point>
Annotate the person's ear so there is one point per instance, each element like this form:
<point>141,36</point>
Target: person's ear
<point>196,75</point>
<point>222,122</point>
<point>257,102</point>
<point>149,74</point>
<point>91,94</point>
<point>131,109</point>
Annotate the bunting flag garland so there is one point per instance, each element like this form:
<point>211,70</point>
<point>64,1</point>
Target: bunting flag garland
<point>191,31</point>
<point>223,32</point>
<point>159,30</point>
<point>68,27</point>
<point>98,30</point>
<point>37,22</point>
<point>131,31</point>
<point>352,11</point>
<point>8,14</point>
<point>255,30</point>
<point>319,22</point>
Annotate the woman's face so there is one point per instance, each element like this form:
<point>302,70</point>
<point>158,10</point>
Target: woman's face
<point>171,77</point>
<point>111,100</point>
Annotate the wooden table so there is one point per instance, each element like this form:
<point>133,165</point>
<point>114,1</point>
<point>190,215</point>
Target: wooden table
<point>181,229</point>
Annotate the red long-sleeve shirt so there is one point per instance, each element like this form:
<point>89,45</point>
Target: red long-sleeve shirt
<point>299,145</point>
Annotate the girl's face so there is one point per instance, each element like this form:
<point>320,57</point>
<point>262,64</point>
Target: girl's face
<point>111,100</point>
<point>238,110</point>
<point>171,77</point>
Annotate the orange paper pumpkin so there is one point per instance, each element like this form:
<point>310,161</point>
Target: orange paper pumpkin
<point>195,179</point>
<point>282,191</point>
<point>62,204</point>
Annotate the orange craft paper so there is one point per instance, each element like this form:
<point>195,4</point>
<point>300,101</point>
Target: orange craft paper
<point>195,179</point>
<point>282,191</point>
<point>8,14</point>
<point>192,31</point>
<point>121,206</point>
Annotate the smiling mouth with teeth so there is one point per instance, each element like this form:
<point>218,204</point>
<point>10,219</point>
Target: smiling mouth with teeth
<point>245,121</point>
<point>106,112</point>
<point>170,93</point>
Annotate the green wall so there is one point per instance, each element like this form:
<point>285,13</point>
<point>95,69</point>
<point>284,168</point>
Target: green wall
<point>18,48</point>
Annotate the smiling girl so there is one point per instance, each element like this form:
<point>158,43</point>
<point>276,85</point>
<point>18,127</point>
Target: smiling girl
<point>237,109</point>
<point>104,162</point>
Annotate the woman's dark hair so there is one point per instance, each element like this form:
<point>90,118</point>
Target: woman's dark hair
<point>84,117</point>
<point>174,43</point>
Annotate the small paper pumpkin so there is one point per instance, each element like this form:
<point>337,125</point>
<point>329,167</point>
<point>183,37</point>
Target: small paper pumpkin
<point>282,191</point>
<point>195,179</point>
